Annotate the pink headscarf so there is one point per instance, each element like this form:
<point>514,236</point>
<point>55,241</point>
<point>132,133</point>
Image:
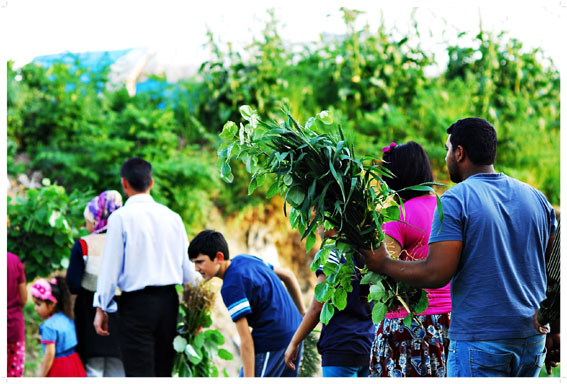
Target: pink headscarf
<point>41,289</point>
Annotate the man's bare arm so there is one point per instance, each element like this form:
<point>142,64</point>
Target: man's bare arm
<point>435,271</point>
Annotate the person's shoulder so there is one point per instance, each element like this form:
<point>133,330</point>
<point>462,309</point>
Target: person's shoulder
<point>246,266</point>
<point>61,318</point>
<point>529,189</point>
<point>166,210</point>
<point>13,259</point>
<point>245,261</point>
<point>470,185</point>
<point>51,322</point>
<point>91,236</point>
<point>457,190</point>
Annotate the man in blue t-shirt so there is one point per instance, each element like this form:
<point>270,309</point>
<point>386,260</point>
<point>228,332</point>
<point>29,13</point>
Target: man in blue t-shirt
<point>255,297</point>
<point>492,245</point>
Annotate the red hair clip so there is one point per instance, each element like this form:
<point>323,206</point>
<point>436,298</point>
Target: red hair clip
<point>387,148</point>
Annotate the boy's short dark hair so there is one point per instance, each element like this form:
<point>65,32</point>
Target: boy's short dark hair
<point>410,165</point>
<point>208,242</point>
<point>138,173</point>
<point>477,137</point>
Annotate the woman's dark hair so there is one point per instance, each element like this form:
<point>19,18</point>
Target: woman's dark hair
<point>61,292</point>
<point>208,242</point>
<point>138,173</point>
<point>477,137</point>
<point>410,165</point>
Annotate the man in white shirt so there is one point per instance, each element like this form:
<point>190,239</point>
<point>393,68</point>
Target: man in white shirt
<point>145,255</point>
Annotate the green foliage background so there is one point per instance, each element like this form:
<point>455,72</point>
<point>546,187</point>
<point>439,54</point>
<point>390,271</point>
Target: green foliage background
<point>77,130</point>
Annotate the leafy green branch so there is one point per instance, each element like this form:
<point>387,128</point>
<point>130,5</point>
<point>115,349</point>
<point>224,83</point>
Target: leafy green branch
<point>197,348</point>
<point>324,184</point>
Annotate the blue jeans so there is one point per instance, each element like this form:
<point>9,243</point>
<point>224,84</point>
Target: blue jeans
<point>345,371</point>
<point>497,358</point>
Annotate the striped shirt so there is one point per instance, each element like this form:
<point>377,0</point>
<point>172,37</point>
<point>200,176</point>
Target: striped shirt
<point>549,308</point>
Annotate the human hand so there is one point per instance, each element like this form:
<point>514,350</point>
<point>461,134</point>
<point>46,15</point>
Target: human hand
<point>543,329</point>
<point>374,259</point>
<point>291,354</point>
<point>552,342</point>
<point>101,322</point>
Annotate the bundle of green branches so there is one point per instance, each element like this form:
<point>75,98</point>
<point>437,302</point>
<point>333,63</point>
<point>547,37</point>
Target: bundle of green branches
<point>310,359</point>
<point>195,347</point>
<point>315,169</point>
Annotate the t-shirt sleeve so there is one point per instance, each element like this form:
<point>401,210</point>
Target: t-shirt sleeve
<point>235,299</point>
<point>451,229</point>
<point>48,334</point>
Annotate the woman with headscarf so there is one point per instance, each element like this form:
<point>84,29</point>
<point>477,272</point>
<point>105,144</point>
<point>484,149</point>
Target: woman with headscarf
<point>99,354</point>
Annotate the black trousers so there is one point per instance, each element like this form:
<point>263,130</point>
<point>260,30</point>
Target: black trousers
<point>148,320</point>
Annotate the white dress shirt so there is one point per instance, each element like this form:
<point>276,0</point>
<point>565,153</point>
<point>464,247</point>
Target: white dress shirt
<point>146,245</point>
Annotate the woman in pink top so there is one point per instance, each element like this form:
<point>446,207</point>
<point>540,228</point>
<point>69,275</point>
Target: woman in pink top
<point>17,297</point>
<point>398,350</point>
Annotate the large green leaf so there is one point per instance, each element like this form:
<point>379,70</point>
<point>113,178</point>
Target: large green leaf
<point>320,291</point>
<point>225,355</point>
<point>310,241</point>
<point>246,111</point>
<point>407,320</point>
<point>272,191</point>
<point>327,313</point>
<point>340,299</point>
<point>371,277</point>
<point>179,343</point>
<point>295,196</point>
<point>198,341</point>
<point>378,312</point>
<point>229,131</point>
<point>226,172</point>
<point>377,291</point>
<point>391,213</point>
<point>193,355</point>
<point>422,304</point>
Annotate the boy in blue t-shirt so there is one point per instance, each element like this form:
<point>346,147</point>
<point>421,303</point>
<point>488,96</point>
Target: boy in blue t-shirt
<point>255,297</point>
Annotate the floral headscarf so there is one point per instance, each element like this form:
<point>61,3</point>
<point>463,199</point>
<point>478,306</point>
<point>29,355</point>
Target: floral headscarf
<point>99,209</point>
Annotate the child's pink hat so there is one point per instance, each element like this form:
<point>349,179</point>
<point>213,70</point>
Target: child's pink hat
<point>41,289</point>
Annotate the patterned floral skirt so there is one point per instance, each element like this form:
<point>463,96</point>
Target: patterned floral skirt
<point>400,351</point>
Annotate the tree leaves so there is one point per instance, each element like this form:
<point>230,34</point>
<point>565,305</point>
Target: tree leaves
<point>43,227</point>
